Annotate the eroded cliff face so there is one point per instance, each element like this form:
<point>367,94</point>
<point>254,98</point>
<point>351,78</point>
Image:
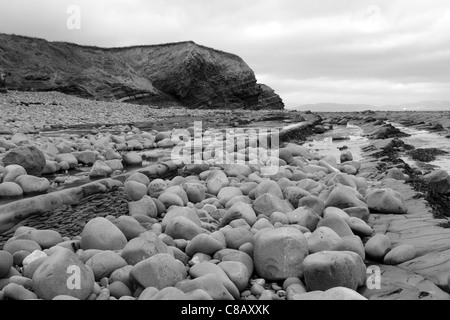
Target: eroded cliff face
<point>182,74</point>
<point>268,99</point>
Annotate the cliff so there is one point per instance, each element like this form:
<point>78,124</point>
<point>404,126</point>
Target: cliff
<point>179,74</point>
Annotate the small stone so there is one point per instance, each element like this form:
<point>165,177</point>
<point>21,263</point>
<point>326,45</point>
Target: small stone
<point>29,269</point>
<point>262,223</point>
<point>359,227</point>
<point>6,262</point>
<point>305,217</point>
<point>257,289</point>
<point>268,295</point>
<point>279,217</point>
<point>27,283</point>
<point>171,199</point>
<point>50,167</point>
<point>101,234</point>
<point>104,295</point>
<point>352,243</point>
<point>156,188</point>
<point>344,197</point>
<point>10,190</point>
<point>349,169</point>
<point>239,210</point>
<point>132,158</point>
<point>196,193</point>
<point>129,226</point>
<point>170,293</point>
<point>377,247</point>
<point>119,289</point>
<point>122,275</point>
<point>17,292</point>
<point>337,224</point>
<point>148,293</point>
<point>336,211</point>
<point>31,184</point>
<point>200,269</point>
<point>12,172</point>
<point>19,245</point>
<point>185,212</point>
<point>68,159</point>
<point>386,201</point>
<point>159,271</point>
<point>115,165</point>
<point>290,281</point>
<point>315,203</point>
<point>237,272</point>
<point>65,298</point>
<point>135,190</point>
<point>235,170</point>
<point>329,269</point>
<point>268,204</point>
<point>248,248</point>
<point>179,191</point>
<point>228,193</point>
<point>33,256</point>
<point>294,289</point>
<point>236,237</point>
<point>438,180</point>
<point>179,255</point>
<point>139,177</point>
<point>269,187</point>
<point>100,170</point>
<point>358,212</point>
<point>28,157</point>
<point>395,173</point>
<point>45,238</point>
<point>204,243</point>
<point>346,156</point>
<point>104,263</point>
<point>143,247</point>
<point>182,228</point>
<point>400,254</point>
<point>199,295</point>
<point>323,239</point>
<point>86,157</point>
<point>19,257</point>
<point>235,255</point>
<point>52,276</point>
<point>342,293</point>
<point>146,206</point>
<point>217,179</point>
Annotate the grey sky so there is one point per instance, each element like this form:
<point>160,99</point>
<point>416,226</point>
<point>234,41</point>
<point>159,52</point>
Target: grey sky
<point>344,51</point>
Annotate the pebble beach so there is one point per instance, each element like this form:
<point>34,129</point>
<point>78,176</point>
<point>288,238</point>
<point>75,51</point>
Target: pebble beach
<point>93,207</point>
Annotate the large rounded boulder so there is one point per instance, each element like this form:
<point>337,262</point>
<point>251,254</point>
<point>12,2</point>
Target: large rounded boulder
<point>279,253</point>
<point>102,234</point>
<point>28,157</point>
<point>63,273</point>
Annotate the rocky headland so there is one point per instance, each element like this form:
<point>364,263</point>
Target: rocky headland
<point>320,227</point>
<point>181,74</point>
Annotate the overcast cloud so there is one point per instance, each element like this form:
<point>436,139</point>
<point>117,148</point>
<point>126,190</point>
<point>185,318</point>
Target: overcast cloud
<point>310,51</point>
